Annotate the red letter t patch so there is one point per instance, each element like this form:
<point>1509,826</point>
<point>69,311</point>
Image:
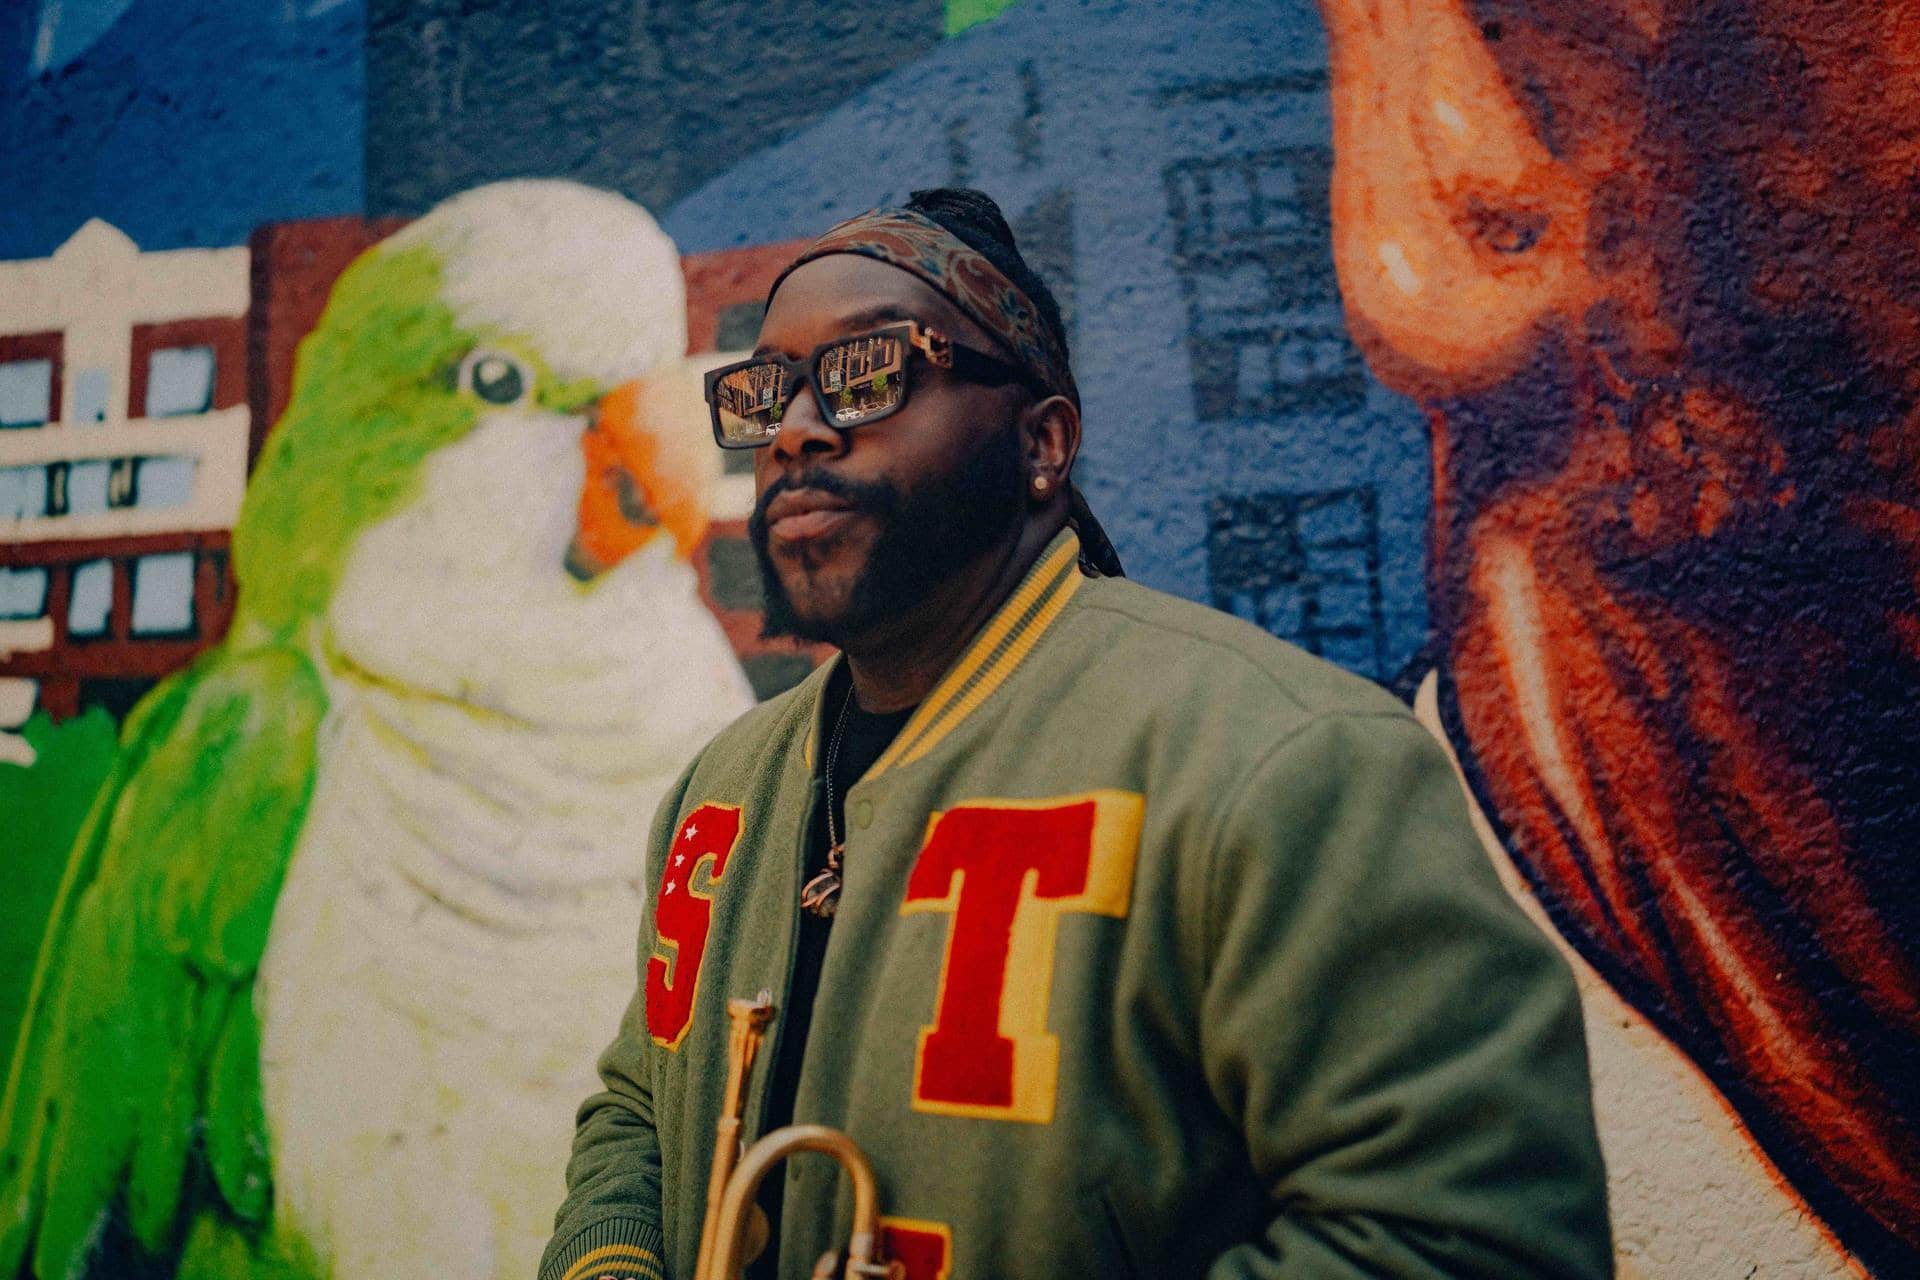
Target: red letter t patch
<point>1006,870</point>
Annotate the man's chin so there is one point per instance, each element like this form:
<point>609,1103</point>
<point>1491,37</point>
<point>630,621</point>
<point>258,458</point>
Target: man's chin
<point>806,602</point>
<point>785,620</point>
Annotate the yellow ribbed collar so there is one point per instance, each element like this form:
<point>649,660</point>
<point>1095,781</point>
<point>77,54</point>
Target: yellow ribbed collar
<point>994,654</point>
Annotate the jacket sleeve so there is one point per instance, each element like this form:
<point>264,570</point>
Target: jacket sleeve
<point>609,1225</point>
<point>1401,1047</point>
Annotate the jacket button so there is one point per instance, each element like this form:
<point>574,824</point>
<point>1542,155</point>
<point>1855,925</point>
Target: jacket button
<point>863,814</point>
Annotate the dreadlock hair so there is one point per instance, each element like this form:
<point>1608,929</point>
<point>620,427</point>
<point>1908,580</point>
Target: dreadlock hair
<point>976,220</point>
<point>973,218</point>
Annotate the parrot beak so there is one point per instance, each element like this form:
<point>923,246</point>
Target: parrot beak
<point>647,473</point>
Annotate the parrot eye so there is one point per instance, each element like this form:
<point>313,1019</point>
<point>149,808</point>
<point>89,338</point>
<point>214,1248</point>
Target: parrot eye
<point>495,377</point>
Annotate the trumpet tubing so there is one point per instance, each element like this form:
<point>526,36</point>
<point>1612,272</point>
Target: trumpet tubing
<point>747,1023</point>
<point>735,1177</point>
<point>863,1245</point>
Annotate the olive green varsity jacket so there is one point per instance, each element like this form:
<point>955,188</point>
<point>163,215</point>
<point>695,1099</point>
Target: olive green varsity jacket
<point>1164,950</point>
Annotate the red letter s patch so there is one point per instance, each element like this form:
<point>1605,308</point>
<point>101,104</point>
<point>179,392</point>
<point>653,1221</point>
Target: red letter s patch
<point>682,915</point>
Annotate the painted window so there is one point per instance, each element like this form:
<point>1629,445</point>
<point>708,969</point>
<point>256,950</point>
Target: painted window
<point>163,594</point>
<point>163,482</point>
<point>23,593</point>
<point>1253,248</point>
<point>179,380</point>
<point>1306,566</point>
<point>87,487</point>
<point>91,390</point>
<point>26,392</point>
<point>91,599</point>
<point>23,493</point>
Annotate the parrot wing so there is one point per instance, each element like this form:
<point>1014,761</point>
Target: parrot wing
<point>140,1045</point>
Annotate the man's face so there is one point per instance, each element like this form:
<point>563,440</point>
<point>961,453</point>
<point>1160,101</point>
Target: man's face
<point>854,529</point>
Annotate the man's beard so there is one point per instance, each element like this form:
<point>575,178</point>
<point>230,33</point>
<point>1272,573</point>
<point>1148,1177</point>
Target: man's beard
<point>926,535</point>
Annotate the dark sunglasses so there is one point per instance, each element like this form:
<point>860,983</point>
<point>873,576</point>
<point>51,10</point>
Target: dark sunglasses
<point>855,381</point>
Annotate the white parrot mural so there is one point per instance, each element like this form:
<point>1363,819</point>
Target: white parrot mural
<point>355,910</point>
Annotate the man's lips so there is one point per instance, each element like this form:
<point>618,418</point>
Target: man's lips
<point>802,514</point>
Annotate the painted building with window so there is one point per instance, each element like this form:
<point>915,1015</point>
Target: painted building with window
<point>124,433</point>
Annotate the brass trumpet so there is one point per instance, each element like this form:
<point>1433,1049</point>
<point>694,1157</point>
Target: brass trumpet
<point>736,1176</point>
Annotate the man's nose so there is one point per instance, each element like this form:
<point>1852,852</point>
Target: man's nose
<point>803,434</point>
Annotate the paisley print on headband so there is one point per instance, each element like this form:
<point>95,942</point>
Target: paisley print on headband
<point>918,244</point>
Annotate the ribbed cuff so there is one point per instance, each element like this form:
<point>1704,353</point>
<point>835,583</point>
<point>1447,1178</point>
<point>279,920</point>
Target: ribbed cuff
<point>610,1249</point>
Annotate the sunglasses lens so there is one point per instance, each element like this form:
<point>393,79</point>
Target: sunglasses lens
<point>863,377</point>
<point>750,402</point>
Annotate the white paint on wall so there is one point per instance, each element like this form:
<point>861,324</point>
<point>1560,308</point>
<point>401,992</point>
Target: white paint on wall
<point>16,704</point>
<point>619,322</point>
<point>23,635</point>
<point>93,291</point>
<point>454,943</point>
<point>215,444</point>
<point>68,28</point>
<point>99,269</point>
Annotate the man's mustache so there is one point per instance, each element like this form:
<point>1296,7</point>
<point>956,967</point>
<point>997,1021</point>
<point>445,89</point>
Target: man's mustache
<point>869,497</point>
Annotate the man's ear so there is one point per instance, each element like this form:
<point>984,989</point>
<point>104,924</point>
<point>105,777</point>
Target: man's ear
<point>1050,437</point>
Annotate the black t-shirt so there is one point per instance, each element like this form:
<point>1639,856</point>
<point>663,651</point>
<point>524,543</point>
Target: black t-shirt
<point>865,739</point>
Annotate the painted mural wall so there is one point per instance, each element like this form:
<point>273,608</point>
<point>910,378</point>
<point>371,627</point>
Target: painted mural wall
<point>365,569</point>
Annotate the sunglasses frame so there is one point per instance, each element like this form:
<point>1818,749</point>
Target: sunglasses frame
<point>936,348</point>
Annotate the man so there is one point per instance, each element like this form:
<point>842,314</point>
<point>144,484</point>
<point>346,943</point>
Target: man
<point>1124,938</point>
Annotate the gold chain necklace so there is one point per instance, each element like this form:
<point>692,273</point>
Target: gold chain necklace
<point>821,894</point>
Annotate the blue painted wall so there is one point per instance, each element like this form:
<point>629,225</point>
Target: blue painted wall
<point>188,122</point>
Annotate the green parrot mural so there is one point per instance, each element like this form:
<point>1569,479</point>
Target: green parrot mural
<point>354,910</point>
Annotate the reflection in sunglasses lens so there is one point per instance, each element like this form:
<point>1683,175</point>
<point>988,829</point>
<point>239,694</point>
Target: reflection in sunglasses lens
<point>860,378</point>
<point>751,402</point>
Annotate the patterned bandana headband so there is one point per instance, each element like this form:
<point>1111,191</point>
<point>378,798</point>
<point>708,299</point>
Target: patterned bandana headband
<point>920,246</point>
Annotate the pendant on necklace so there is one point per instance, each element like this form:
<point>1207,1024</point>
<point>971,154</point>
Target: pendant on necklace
<point>821,894</point>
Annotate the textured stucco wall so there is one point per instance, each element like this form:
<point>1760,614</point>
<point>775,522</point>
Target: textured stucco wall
<point>1551,363</point>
